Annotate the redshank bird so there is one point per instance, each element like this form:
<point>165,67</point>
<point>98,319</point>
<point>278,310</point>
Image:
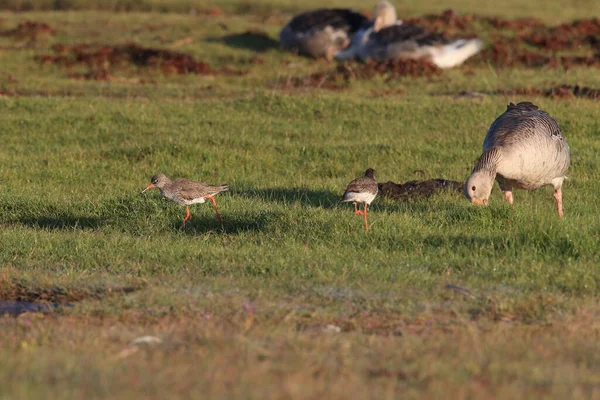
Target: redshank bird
<point>524,148</point>
<point>362,190</point>
<point>185,192</point>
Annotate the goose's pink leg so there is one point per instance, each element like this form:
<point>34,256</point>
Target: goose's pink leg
<point>558,198</point>
<point>508,197</point>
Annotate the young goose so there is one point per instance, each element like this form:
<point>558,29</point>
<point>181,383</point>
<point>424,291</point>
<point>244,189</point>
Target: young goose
<point>324,32</point>
<point>362,190</point>
<point>185,192</point>
<point>524,148</point>
<point>387,39</point>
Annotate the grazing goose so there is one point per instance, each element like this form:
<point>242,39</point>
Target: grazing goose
<point>362,190</point>
<point>524,148</point>
<point>324,32</point>
<point>387,39</point>
<point>185,192</point>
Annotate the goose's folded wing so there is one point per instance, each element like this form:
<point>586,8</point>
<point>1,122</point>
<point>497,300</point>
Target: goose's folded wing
<point>337,18</point>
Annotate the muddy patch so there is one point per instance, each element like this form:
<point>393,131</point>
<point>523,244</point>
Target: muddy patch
<point>565,36</point>
<point>102,61</point>
<point>560,92</point>
<point>20,297</point>
<point>450,21</point>
<point>31,30</point>
<point>509,53</point>
<point>342,75</point>
<point>418,189</point>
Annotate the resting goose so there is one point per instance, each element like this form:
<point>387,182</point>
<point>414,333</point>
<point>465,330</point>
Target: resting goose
<point>324,32</point>
<point>387,39</point>
<point>524,148</point>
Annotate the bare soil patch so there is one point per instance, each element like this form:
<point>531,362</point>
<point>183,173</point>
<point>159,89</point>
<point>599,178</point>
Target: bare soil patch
<point>31,30</point>
<point>341,76</point>
<point>102,60</point>
<point>561,92</point>
<point>509,53</point>
<point>25,292</point>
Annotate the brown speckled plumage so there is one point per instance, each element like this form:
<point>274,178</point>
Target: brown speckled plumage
<point>362,190</point>
<point>185,192</point>
<point>365,184</point>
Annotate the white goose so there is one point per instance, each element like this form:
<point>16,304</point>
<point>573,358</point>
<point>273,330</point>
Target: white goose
<point>389,38</point>
<point>325,32</point>
<point>524,148</point>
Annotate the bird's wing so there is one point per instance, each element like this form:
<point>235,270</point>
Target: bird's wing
<point>406,33</point>
<point>189,190</point>
<point>519,122</point>
<point>337,18</point>
<point>362,184</point>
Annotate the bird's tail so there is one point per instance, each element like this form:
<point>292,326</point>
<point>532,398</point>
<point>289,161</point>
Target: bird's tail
<point>456,53</point>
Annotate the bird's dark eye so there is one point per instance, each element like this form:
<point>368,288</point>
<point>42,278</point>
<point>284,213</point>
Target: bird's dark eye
<point>473,188</point>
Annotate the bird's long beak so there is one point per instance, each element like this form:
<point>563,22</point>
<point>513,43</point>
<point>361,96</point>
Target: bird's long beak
<point>150,186</point>
<point>478,202</point>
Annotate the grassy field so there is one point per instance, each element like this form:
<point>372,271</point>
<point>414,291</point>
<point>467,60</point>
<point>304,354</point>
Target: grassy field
<point>289,297</point>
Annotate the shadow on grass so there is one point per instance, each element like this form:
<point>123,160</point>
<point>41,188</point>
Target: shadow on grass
<point>251,40</point>
<point>200,225</point>
<point>129,214</point>
<point>303,196</point>
<point>419,205</point>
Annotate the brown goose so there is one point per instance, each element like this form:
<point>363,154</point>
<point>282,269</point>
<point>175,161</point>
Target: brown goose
<point>326,31</point>
<point>524,148</point>
<point>185,192</point>
<point>362,190</point>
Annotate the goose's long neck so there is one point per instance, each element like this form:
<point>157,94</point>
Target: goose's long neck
<point>488,162</point>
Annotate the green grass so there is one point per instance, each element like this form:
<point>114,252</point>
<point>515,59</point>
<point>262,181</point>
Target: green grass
<point>80,207</point>
<point>243,308</point>
<point>549,10</point>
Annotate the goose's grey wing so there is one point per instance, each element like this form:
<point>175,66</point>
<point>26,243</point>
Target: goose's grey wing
<point>336,18</point>
<point>521,122</point>
<point>407,33</point>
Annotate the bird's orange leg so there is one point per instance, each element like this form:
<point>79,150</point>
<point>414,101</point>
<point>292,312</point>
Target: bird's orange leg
<point>187,216</point>
<point>508,197</point>
<point>356,210</point>
<point>215,207</point>
<point>558,198</point>
<point>366,207</point>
